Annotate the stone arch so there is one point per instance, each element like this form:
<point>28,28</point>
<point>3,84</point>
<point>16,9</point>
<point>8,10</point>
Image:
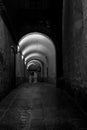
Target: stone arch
<point>36,42</point>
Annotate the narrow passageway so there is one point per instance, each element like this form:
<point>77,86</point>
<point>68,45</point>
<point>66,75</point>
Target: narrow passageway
<point>43,65</point>
<point>39,107</point>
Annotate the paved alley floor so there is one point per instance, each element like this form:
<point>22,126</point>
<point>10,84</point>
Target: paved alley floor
<point>40,107</point>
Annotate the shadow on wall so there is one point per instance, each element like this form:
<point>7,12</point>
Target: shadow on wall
<point>4,75</point>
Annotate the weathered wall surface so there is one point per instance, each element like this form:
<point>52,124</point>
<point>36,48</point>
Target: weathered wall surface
<point>19,66</point>
<point>84,42</point>
<point>75,50</point>
<point>5,58</point>
<point>74,47</point>
<point>19,69</point>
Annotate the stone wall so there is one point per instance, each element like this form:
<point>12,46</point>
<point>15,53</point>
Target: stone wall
<point>5,59</point>
<point>74,51</point>
<point>19,69</point>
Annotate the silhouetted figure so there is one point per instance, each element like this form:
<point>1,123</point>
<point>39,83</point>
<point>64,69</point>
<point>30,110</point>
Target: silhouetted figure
<point>31,77</point>
<point>35,77</point>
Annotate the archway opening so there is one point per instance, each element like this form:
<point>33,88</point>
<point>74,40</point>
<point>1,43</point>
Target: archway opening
<point>39,46</point>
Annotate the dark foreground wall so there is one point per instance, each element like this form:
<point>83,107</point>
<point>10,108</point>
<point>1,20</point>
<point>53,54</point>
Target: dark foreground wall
<point>75,49</point>
<point>6,59</point>
<point>73,45</point>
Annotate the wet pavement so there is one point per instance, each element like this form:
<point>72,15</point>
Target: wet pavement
<point>40,107</point>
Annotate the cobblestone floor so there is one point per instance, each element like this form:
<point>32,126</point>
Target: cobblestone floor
<point>40,107</point>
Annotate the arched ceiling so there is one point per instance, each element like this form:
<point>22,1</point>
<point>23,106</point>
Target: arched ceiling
<point>36,42</point>
<point>34,67</point>
<point>39,65</point>
<point>30,65</point>
<point>35,37</point>
<point>38,45</point>
<point>36,56</point>
<point>37,62</point>
<point>35,48</point>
